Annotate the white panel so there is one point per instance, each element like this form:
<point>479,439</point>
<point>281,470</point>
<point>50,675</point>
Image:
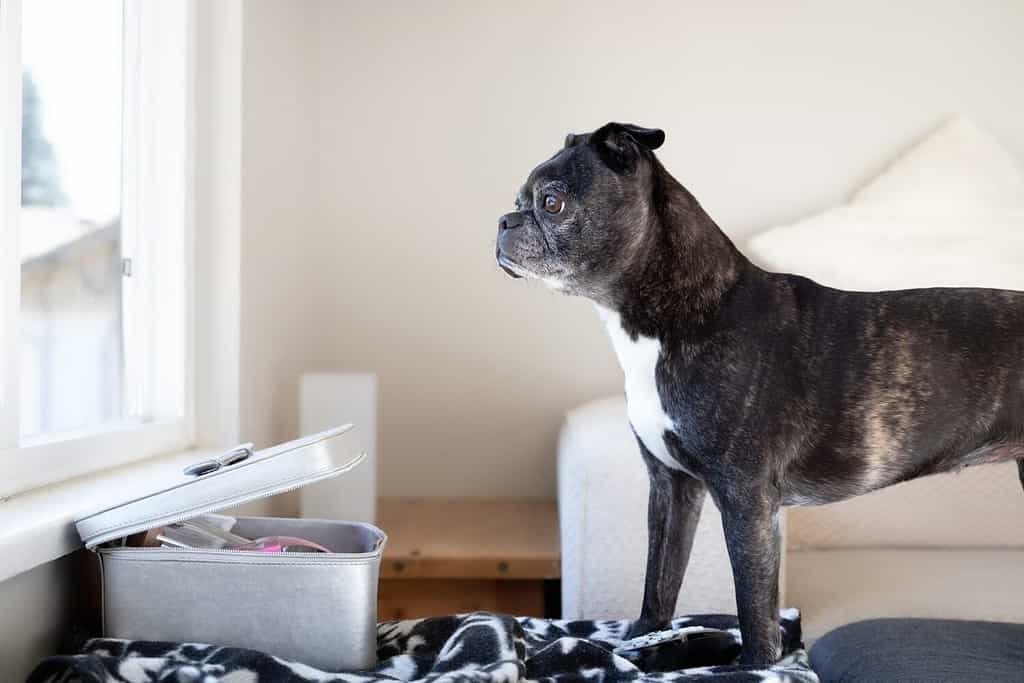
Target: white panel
<point>328,400</point>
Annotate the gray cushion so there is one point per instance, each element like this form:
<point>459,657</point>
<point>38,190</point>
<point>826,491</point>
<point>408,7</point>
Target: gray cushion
<point>932,650</point>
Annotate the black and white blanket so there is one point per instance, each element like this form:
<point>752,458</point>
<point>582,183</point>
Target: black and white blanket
<point>480,647</point>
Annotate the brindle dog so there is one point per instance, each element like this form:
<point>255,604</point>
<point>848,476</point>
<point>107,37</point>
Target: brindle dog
<point>764,389</point>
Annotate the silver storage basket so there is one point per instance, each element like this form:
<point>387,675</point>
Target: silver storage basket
<point>318,609</point>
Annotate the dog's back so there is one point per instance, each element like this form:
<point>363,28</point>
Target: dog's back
<point>903,383</point>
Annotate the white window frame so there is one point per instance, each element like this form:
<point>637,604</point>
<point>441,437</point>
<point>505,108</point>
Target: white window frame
<point>152,80</point>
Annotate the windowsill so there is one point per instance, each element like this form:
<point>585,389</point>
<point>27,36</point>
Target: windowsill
<point>60,458</point>
<point>38,526</point>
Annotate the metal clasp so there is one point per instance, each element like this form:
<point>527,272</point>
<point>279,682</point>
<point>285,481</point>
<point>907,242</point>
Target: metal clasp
<point>226,459</point>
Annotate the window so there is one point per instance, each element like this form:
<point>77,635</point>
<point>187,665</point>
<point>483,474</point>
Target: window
<point>94,233</point>
<point>71,327</point>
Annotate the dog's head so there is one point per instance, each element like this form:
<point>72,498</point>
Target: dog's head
<point>581,214</point>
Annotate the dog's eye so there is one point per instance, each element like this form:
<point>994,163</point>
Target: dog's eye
<point>553,203</point>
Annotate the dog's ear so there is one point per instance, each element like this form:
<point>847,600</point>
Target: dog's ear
<point>617,143</point>
<point>651,138</point>
<point>570,140</point>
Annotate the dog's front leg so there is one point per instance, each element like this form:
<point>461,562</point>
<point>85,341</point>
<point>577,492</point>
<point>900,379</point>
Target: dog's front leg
<point>751,523</point>
<point>673,510</point>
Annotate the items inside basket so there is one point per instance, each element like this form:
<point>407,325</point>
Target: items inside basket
<point>259,534</point>
<point>214,532</point>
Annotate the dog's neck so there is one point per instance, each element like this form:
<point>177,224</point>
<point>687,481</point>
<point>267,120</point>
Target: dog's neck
<point>682,270</point>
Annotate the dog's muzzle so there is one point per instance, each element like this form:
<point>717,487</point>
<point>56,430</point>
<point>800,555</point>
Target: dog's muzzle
<point>507,223</point>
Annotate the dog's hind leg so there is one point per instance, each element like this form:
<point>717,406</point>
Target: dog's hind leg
<point>673,511</point>
<point>1020,470</point>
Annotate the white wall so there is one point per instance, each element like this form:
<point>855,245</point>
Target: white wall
<point>384,139</point>
<point>279,203</point>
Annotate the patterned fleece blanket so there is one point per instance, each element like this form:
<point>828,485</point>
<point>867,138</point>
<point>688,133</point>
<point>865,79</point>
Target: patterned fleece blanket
<point>480,647</point>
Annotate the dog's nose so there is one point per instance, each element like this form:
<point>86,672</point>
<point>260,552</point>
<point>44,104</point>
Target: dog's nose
<point>510,221</point>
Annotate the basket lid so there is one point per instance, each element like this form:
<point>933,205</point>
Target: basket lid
<point>236,476</point>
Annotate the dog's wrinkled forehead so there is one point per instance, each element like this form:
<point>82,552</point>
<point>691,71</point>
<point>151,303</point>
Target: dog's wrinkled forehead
<point>590,162</point>
<point>571,168</point>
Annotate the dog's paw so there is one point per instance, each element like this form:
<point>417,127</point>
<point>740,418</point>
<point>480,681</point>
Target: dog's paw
<point>759,658</point>
<point>641,627</point>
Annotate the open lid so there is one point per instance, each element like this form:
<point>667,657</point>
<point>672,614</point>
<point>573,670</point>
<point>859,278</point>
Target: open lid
<point>236,476</point>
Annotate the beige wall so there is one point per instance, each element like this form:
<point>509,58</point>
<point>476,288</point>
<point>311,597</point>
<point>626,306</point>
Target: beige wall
<point>384,139</point>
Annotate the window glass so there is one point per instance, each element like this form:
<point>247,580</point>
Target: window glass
<point>72,355</point>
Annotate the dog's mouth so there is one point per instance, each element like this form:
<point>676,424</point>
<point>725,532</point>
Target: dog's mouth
<point>513,269</point>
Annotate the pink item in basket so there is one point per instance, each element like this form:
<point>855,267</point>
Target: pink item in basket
<point>281,544</point>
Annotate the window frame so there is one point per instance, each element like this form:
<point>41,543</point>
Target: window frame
<point>38,461</point>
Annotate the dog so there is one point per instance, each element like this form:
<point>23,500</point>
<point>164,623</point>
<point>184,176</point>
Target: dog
<point>762,389</point>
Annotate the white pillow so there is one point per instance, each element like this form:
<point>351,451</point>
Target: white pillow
<point>950,211</point>
<point>956,168</point>
<point>870,248</point>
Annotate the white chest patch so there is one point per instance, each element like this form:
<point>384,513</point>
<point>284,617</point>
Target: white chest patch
<point>643,404</point>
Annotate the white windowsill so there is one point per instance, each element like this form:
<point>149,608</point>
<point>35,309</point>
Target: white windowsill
<point>38,526</point>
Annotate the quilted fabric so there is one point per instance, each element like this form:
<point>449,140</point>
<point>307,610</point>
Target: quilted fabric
<point>480,647</point>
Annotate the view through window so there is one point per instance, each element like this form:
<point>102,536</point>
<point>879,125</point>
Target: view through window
<point>72,355</point>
